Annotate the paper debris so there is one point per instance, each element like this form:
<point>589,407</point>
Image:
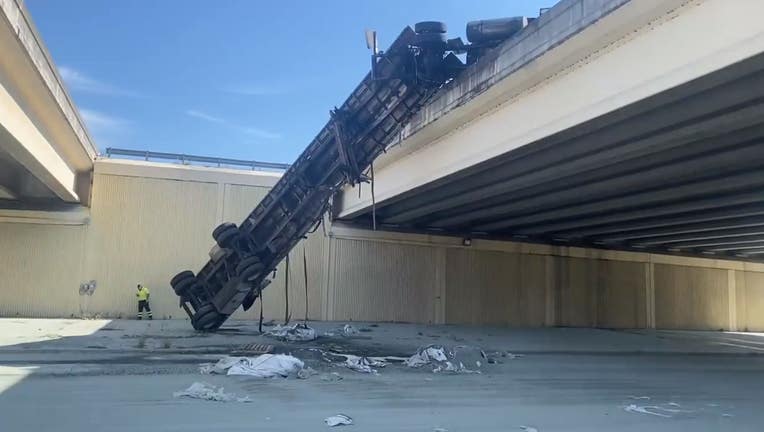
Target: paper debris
<point>651,410</point>
<point>262,366</point>
<point>297,333</point>
<point>363,364</point>
<point>447,361</point>
<point>349,330</point>
<point>338,420</point>
<point>427,355</point>
<point>306,373</point>
<point>202,390</point>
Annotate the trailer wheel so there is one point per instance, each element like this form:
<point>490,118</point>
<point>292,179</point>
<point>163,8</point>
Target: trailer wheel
<point>249,267</point>
<point>430,27</point>
<point>207,318</point>
<point>225,233</point>
<point>185,274</point>
<point>182,287</point>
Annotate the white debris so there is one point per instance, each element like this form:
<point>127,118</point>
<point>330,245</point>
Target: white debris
<point>454,368</point>
<point>202,390</point>
<point>640,397</point>
<point>349,330</point>
<point>338,420</point>
<point>306,373</point>
<point>651,410</point>
<point>297,333</point>
<point>446,361</point>
<point>262,366</point>
<point>727,415</point>
<point>427,355</point>
<point>440,430</point>
<point>528,429</point>
<point>364,364</point>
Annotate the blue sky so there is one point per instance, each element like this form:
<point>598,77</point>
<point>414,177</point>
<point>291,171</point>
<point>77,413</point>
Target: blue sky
<point>240,79</point>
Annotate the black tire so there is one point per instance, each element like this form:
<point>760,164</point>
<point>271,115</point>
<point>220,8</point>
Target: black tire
<point>225,233</point>
<point>431,39</point>
<point>207,318</point>
<point>222,227</point>
<point>430,27</point>
<point>249,267</point>
<point>185,274</point>
<point>182,287</point>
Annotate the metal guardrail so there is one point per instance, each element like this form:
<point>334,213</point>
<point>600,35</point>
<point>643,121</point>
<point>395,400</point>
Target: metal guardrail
<point>187,159</point>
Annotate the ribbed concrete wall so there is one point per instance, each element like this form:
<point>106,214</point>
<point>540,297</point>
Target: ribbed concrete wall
<point>26,289</point>
<point>499,288</point>
<point>383,282</point>
<point>142,230</point>
<point>145,227</point>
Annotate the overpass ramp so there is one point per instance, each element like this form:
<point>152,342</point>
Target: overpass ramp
<point>631,125</point>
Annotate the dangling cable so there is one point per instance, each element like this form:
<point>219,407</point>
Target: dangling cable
<point>260,325</point>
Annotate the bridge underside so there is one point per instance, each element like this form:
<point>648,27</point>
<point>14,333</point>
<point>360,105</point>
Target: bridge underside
<point>678,172</point>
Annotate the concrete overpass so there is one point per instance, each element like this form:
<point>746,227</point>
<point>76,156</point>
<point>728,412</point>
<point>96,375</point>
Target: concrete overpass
<point>633,125</point>
<point>46,155</point>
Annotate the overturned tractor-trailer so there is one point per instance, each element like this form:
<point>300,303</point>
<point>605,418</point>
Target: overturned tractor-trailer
<point>419,63</point>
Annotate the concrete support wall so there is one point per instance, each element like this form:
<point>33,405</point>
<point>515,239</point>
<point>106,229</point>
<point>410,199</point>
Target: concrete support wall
<point>149,222</point>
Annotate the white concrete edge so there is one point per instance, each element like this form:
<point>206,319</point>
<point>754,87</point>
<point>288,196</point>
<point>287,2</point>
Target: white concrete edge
<point>25,143</point>
<point>77,216</point>
<point>342,231</point>
<point>711,51</point>
<point>170,171</point>
<point>18,17</point>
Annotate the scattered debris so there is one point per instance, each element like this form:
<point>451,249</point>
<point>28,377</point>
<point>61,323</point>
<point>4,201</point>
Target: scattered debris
<point>331,377</point>
<point>651,410</point>
<point>727,415</point>
<point>263,366</point>
<point>640,397</point>
<point>364,364</point>
<point>202,390</point>
<point>349,330</point>
<point>427,355</point>
<point>306,373</point>
<point>338,420</point>
<point>365,330</point>
<point>528,428</point>
<point>447,361</point>
<point>299,332</point>
<point>439,429</point>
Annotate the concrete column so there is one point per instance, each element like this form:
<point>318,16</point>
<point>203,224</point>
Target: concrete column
<point>440,286</point>
<point>328,286</point>
<point>732,299</point>
<point>221,202</point>
<point>650,295</point>
<point>550,318</point>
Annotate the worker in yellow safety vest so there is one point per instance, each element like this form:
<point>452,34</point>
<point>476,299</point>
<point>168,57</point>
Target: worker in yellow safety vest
<point>143,302</point>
